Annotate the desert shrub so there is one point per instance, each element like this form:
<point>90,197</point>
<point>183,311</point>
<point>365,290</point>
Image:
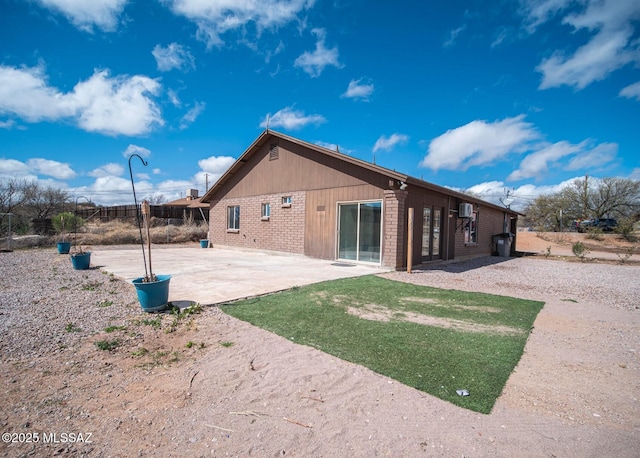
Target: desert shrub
<point>626,230</point>
<point>579,250</point>
<point>66,222</point>
<point>594,233</point>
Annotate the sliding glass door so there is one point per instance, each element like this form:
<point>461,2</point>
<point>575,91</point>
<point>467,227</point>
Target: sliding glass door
<point>360,231</point>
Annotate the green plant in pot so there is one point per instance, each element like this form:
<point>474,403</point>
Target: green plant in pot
<point>60,224</point>
<point>80,259</point>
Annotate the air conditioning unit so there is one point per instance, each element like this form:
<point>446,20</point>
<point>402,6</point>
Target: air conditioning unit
<point>465,210</point>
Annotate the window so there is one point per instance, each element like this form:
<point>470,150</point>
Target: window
<point>471,229</point>
<point>266,211</point>
<point>286,201</point>
<point>233,218</point>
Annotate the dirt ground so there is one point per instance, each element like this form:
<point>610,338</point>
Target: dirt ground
<point>210,385</point>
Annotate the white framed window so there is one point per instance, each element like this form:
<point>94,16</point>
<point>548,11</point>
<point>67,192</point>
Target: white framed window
<point>233,218</point>
<point>265,213</point>
<point>471,229</point>
<point>286,201</point>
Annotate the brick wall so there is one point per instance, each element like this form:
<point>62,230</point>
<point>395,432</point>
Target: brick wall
<point>284,231</point>
<point>395,229</point>
<point>490,223</point>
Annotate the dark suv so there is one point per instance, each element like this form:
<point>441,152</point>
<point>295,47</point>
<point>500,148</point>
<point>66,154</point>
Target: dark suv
<point>605,224</point>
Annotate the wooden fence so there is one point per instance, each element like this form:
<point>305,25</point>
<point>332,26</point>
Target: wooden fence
<point>157,211</point>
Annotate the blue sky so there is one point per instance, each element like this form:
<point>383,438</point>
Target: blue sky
<point>476,95</point>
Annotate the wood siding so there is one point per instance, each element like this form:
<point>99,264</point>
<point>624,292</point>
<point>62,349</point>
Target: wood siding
<point>321,216</point>
<point>297,168</point>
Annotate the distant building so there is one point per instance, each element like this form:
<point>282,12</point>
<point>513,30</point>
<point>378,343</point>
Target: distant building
<point>285,194</point>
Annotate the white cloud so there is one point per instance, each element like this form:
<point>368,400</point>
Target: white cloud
<point>589,158</point>
<point>192,114</point>
<point>479,143</point>
<point>387,143</point>
<point>315,62</point>
<point>612,47</point>
<point>7,124</point>
<point>173,56</point>
<point>212,168</point>
<point>110,169</point>
<point>25,93</point>
<point>110,105</point>
<point>216,165</point>
<point>135,149</point>
<point>55,169</point>
<point>87,14</point>
<point>453,34</point>
<point>216,17</point>
<point>11,167</point>
<point>119,105</point>
<point>537,12</point>
<point>291,119</point>
<point>537,163</point>
<point>358,90</point>
<point>173,98</point>
<point>632,91</point>
<point>35,167</point>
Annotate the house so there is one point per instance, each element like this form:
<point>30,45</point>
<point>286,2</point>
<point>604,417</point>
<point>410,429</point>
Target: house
<point>285,194</point>
<point>190,206</point>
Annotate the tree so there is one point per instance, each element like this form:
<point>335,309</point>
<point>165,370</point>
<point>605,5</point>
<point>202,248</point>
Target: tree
<point>27,200</point>
<point>585,198</point>
<point>45,202</point>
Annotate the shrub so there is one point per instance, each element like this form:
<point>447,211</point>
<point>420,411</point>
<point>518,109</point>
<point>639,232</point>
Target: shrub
<point>579,250</point>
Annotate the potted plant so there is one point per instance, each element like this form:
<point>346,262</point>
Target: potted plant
<point>60,222</point>
<point>80,259</point>
<point>152,289</point>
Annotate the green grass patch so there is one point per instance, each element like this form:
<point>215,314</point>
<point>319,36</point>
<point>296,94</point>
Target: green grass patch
<point>437,341</point>
<point>114,328</point>
<point>71,327</point>
<point>107,345</point>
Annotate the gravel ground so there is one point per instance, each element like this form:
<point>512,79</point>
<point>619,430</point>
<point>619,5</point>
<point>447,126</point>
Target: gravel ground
<point>47,308</point>
<point>615,286</point>
<point>574,393</point>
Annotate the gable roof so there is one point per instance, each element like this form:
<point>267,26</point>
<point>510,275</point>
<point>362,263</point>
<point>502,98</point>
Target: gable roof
<point>409,180</point>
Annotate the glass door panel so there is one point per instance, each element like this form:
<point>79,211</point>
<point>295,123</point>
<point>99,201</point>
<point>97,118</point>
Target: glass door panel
<point>426,232</point>
<point>369,232</point>
<point>348,232</point>
<point>436,233</point>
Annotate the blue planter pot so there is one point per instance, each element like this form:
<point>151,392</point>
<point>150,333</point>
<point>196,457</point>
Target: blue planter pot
<point>64,247</point>
<point>153,296</point>
<point>81,261</point>
<point>204,243</point>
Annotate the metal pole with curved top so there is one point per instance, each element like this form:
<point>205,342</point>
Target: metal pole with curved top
<point>135,200</point>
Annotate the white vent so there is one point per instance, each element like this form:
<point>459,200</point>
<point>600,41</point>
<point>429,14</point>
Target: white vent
<point>465,210</point>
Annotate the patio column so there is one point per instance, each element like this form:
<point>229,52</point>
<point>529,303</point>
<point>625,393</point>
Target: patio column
<point>395,229</point>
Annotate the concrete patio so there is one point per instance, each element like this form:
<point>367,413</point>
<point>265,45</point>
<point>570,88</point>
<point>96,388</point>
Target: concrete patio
<point>214,275</point>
